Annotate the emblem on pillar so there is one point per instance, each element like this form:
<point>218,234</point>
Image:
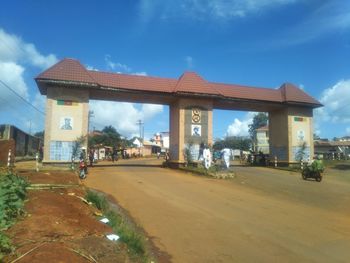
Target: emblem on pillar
<point>196,115</point>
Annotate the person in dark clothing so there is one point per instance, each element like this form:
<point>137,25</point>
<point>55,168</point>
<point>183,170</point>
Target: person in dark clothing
<point>91,157</point>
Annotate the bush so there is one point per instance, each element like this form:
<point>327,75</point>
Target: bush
<point>98,200</point>
<point>12,196</point>
<point>128,235</point>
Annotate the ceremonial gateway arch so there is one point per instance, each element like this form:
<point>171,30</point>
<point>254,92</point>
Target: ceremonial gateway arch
<point>69,86</point>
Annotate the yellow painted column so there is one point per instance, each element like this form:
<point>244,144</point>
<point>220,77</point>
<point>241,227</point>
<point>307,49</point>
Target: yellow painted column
<point>66,120</point>
<point>291,134</point>
<point>190,126</point>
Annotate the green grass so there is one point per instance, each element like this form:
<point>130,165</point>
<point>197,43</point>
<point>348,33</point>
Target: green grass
<point>128,234</point>
<point>12,196</point>
<point>200,169</point>
<point>335,164</point>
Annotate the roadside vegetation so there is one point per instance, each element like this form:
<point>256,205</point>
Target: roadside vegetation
<point>12,196</point>
<point>121,226</point>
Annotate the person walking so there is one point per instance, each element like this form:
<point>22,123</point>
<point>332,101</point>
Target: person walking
<point>207,157</point>
<point>91,157</point>
<point>226,152</point>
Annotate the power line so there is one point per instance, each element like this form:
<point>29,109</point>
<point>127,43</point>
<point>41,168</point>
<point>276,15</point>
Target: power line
<point>18,95</point>
<point>15,110</point>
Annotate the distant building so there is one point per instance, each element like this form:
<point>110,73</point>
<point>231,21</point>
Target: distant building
<point>343,139</point>
<point>328,148</point>
<point>262,140</point>
<point>162,139</point>
<point>25,144</point>
<point>165,138</point>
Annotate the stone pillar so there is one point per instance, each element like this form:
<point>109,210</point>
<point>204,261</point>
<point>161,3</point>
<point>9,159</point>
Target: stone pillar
<point>291,134</point>
<point>66,120</point>
<point>190,125</point>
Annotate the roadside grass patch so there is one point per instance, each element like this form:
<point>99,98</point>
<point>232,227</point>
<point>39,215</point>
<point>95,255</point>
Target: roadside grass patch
<point>215,171</point>
<point>127,233</point>
<point>12,196</point>
<point>342,165</point>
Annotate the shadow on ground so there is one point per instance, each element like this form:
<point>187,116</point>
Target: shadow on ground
<point>342,167</point>
<point>127,165</point>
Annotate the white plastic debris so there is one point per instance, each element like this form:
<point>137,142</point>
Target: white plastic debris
<point>104,220</point>
<point>112,237</point>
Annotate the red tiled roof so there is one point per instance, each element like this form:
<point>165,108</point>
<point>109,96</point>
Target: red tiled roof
<point>291,93</point>
<point>250,93</point>
<point>191,82</point>
<point>70,70</point>
<point>133,82</point>
<point>263,128</point>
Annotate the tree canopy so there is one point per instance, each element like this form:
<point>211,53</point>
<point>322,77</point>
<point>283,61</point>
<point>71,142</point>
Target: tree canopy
<point>259,121</point>
<point>233,142</point>
<point>108,137</point>
<point>40,135</point>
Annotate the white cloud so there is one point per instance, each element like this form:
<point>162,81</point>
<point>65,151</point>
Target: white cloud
<point>327,18</point>
<point>348,130</point>
<point>336,104</point>
<point>240,127</point>
<point>12,75</point>
<point>39,101</point>
<point>116,65</point>
<point>189,62</point>
<point>150,110</point>
<point>216,9</point>
<point>16,56</point>
<point>336,110</point>
<point>14,49</point>
<point>240,8</point>
<point>141,73</point>
<point>123,116</point>
<point>88,67</point>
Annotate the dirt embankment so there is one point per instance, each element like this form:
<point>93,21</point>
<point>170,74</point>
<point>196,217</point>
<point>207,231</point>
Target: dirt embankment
<point>60,227</point>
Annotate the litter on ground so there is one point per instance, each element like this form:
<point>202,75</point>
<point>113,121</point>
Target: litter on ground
<point>112,237</point>
<point>104,220</point>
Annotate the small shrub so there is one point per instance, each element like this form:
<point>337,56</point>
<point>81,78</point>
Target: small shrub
<point>5,245</point>
<point>98,200</point>
<point>128,235</point>
<point>12,196</point>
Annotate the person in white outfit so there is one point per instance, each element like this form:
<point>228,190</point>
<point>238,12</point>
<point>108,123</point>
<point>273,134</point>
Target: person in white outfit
<point>207,157</point>
<point>226,156</point>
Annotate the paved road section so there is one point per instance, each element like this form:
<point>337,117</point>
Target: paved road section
<point>262,215</point>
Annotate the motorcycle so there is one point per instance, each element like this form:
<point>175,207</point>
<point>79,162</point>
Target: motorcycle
<point>307,173</point>
<point>82,169</point>
<point>314,171</point>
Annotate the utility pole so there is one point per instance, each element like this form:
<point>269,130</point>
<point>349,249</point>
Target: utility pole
<point>140,123</point>
<point>91,115</point>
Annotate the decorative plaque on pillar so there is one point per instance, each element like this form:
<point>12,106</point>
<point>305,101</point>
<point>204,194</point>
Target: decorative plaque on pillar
<point>196,128</point>
<point>196,115</point>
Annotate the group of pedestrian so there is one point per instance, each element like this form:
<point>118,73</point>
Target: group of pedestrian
<point>206,156</point>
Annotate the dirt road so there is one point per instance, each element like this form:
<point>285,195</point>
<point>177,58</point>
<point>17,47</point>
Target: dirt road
<point>262,215</point>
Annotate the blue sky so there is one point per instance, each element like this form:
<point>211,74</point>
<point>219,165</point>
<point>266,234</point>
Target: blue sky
<point>260,43</point>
